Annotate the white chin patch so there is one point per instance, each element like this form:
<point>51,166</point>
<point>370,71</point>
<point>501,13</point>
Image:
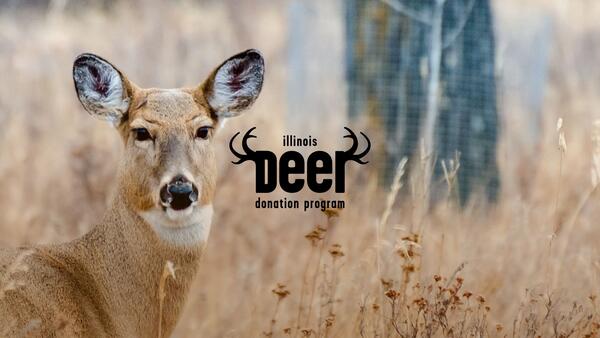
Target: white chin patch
<point>177,216</point>
<point>189,226</point>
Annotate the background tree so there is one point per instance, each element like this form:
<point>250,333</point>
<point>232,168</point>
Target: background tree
<point>425,71</point>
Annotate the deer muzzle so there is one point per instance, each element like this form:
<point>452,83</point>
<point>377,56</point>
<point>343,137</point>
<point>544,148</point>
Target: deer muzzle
<point>178,194</point>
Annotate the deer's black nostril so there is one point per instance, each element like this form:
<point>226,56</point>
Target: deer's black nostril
<point>179,194</point>
<point>165,196</point>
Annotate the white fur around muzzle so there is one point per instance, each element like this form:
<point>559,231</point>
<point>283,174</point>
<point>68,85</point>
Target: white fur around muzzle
<point>190,226</point>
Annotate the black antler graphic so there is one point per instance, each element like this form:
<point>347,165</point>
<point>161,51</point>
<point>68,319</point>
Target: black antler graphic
<point>249,153</point>
<point>351,152</point>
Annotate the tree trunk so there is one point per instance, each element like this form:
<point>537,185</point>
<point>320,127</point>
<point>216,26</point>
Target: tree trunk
<point>395,61</point>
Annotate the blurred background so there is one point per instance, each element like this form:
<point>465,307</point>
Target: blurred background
<point>493,103</point>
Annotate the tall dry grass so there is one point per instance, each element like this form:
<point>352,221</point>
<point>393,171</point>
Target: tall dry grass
<point>385,266</point>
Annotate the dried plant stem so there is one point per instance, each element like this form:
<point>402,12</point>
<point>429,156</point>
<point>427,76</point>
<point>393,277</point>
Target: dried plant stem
<point>168,271</point>
<point>316,274</point>
<point>379,226</point>
<point>450,178</point>
<point>331,295</point>
<point>455,273</point>
<point>562,148</point>
<point>274,317</point>
<point>303,289</point>
<point>557,198</point>
<point>567,230</point>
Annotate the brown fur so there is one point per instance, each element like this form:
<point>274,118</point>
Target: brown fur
<point>106,284</point>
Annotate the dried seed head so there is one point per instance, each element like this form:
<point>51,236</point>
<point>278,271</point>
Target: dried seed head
<point>559,124</point>
<point>413,237</point>
<point>315,235</point>
<point>562,143</point>
<point>409,268</point>
<point>281,291</point>
<point>387,284</point>
<point>306,332</point>
<point>330,213</point>
<point>421,302</point>
<point>330,320</point>
<point>392,294</point>
<point>336,251</point>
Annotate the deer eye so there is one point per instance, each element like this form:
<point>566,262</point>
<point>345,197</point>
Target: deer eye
<point>203,132</point>
<point>141,134</point>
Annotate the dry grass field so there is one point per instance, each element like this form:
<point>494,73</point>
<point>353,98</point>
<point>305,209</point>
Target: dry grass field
<point>527,266</point>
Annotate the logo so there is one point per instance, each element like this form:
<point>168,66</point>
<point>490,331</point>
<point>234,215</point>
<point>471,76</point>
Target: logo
<point>320,171</point>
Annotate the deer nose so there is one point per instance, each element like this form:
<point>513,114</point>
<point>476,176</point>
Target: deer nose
<point>178,194</point>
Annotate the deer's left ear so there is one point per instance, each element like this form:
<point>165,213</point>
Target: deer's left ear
<point>235,84</point>
<point>102,89</point>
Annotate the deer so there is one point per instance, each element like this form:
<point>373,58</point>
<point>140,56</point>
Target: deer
<point>110,282</point>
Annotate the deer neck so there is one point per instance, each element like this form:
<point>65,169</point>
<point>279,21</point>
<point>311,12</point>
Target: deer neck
<point>125,260</point>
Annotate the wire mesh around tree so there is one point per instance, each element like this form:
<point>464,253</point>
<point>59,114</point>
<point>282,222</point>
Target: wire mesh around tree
<point>424,70</point>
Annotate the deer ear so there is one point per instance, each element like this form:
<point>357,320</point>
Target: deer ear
<point>235,84</point>
<point>102,89</point>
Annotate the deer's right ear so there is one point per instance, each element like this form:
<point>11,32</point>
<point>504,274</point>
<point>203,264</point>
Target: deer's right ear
<point>235,84</point>
<point>102,90</point>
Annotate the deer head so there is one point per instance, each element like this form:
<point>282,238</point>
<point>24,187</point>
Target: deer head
<point>168,172</point>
